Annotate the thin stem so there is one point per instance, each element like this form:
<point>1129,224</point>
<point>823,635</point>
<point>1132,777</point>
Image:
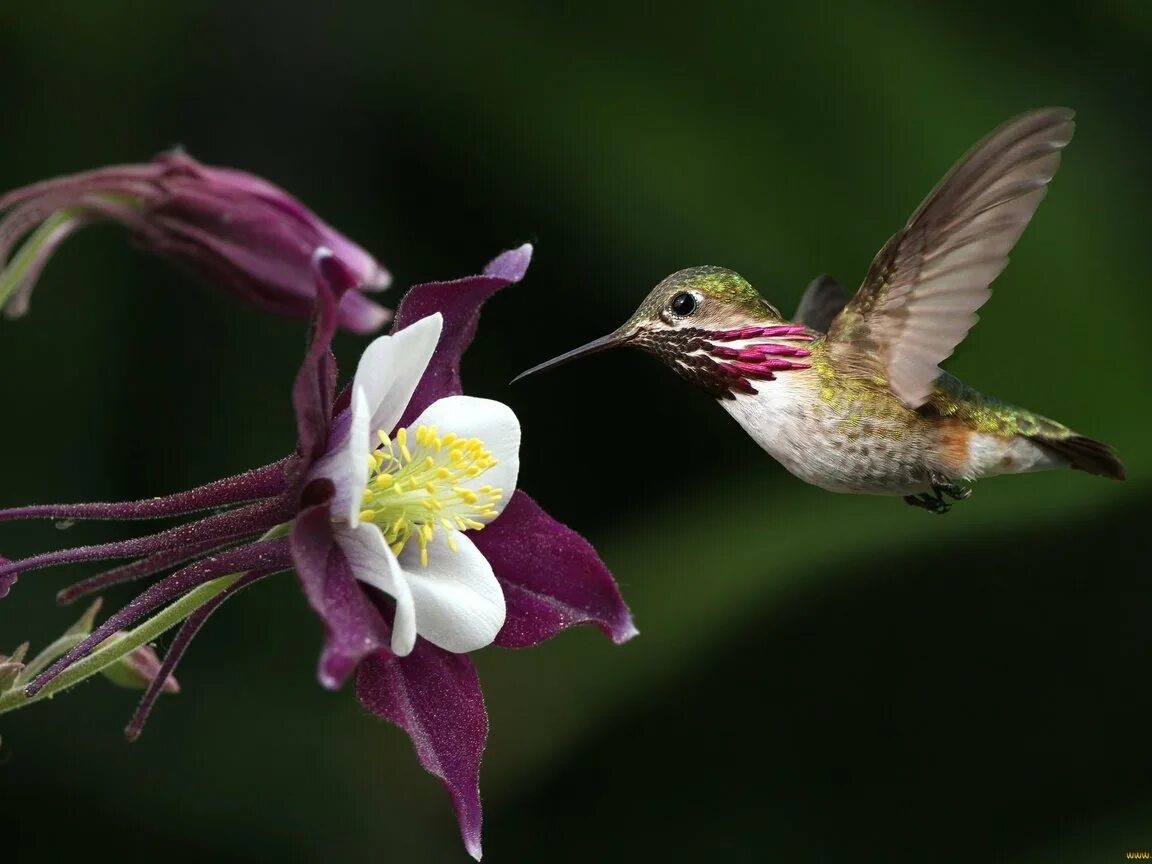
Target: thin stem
<point>108,654</point>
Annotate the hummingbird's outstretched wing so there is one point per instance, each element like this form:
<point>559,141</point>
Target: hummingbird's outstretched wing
<point>821,302</point>
<point>922,291</point>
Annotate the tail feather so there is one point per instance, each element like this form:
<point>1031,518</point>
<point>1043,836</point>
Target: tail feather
<point>1085,454</point>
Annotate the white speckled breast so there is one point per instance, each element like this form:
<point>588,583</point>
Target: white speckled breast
<point>834,449</point>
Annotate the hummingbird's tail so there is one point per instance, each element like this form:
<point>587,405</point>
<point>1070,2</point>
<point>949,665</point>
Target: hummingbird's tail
<point>1084,454</point>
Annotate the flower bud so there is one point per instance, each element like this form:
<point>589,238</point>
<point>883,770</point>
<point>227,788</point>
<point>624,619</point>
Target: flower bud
<point>138,669</point>
<point>235,228</point>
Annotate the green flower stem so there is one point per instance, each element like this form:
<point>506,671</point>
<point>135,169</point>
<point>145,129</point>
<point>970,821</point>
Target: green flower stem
<point>114,649</point>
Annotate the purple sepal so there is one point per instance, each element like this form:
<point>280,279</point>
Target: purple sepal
<point>552,577</point>
<point>511,265</point>
<point>353,627</point>
<point>459,302</point>
<point>435,697</point>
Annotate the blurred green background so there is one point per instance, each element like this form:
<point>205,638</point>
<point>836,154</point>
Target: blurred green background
<point>819,677</point>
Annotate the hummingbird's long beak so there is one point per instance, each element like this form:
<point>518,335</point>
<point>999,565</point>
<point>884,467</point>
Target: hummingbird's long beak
<point>602,344</point>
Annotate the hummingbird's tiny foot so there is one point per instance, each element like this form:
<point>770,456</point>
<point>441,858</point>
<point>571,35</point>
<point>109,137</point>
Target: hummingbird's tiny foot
<point>956,491</point>
<point>933,503</point>
<point>942,485</point>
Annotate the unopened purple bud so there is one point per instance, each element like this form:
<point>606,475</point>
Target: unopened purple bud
<point>230,226</point>
<point>138,669</point>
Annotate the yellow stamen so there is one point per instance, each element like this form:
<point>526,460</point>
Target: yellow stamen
<point>420,486</point>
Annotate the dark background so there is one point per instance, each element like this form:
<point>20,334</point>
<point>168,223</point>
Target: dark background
<point>820,677</point>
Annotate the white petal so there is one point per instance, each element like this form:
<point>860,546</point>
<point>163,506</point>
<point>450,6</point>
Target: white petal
<point>347,464</point>
<point>392,366</point>
<point>459,603</point>
<point>373,563</point>
<point>376,371</point>
<point>492,422</point>
<point>359,446</point>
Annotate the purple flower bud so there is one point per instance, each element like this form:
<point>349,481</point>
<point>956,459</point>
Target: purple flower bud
<point>138,669</point>
<point>232,227</point>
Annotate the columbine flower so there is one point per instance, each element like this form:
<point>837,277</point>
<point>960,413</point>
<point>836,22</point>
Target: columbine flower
<point>405,500</point>
<point>402,520</point>
<point>232,227</point>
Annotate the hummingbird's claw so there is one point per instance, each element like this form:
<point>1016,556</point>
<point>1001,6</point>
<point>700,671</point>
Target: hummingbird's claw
<point>932,502</point>
<point>943,485</point>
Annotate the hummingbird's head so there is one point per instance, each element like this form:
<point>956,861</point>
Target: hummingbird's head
<point>711,327</point>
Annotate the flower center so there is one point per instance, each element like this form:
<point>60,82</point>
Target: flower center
<point>416,487</point>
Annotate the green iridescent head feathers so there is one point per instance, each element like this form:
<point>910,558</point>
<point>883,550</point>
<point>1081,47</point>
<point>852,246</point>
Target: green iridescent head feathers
<point>723,298</point>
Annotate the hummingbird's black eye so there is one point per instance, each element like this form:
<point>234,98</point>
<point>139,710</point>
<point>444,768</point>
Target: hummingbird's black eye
<point>683,304</point>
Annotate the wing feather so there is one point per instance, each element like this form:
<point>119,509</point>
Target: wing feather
<point>920,296</point>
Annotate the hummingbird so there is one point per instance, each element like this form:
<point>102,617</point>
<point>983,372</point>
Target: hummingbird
<point>849,396</point>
